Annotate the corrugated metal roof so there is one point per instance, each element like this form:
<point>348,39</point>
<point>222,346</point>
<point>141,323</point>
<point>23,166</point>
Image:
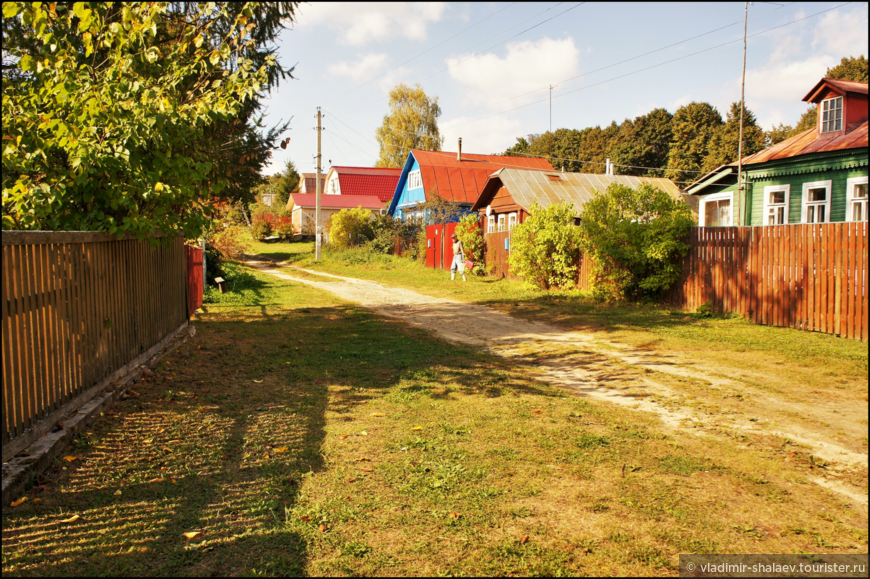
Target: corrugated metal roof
<point>546,187</point>
<point>809,142</point>
<point>462,181</point>
<point>335,201</point>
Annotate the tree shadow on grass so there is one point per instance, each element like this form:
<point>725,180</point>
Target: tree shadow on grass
<point>218,443</point>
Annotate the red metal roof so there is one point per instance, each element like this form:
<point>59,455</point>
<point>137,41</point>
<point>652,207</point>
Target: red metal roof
<point>841,86</point>
<point>809,142</point>
<point>307,200</point>
<point>462,181</point>
<point>377,181</point>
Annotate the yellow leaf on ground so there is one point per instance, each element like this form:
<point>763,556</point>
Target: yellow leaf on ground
<point>36,500</point>
<point>281,450</point>
<point>378,414</point>
<point>72,519</point>
<point>417,428</point>
<point>70,458</point>
<point>258,381</point>
<point>18,502</point>
<point>167,449</point>
<point>192,534</point>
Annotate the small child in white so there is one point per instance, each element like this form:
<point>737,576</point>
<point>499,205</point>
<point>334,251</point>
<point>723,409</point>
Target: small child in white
<point>458,259</point>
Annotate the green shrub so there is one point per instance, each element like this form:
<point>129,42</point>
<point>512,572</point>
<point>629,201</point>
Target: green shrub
<point>471,235</point>
<point>286,230</point>
<point>349,227</point>
<point>635,239</point>
<point>545,248</point>
<point>261,229</point>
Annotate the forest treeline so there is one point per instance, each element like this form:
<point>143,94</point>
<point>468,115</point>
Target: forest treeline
<point>677,146</point>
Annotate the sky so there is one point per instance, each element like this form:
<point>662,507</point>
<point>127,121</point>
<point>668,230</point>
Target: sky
<point>491,66</point>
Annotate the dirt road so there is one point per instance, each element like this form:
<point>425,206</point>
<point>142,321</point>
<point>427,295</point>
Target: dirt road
<point>642,379</point>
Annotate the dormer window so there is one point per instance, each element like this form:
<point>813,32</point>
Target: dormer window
<point>832,115</point>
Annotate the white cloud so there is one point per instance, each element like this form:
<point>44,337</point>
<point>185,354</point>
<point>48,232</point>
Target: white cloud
<point>484,137</point>
<point>526,67</point>
<point>842,34</point>
<point>365,66</point>
<point>785,81</point>
<point>359,23</point>
<point>682,101</point>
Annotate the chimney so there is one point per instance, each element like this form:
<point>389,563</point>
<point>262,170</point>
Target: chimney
<point>459,150</point>
<point>608,169</point>
<point>563,168</point>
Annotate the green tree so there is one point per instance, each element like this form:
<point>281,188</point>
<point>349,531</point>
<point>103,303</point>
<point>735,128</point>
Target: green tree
<point>645,142</point>
<point>694,126</point>
<point>723,146</point>
<point>850,68</point>
<point>137,116</point>
<point>412,123</point>
<point>545,248</point>
<point>288,183</point>
<point>808,121</point>
<point>776,134</point>
<point>635,239</point>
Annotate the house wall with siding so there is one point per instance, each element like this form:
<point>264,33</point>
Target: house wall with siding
<point>407,196</point>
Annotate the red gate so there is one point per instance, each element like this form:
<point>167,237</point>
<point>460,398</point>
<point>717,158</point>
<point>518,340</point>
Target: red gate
<point>194,279</point>
<point>439,246</point>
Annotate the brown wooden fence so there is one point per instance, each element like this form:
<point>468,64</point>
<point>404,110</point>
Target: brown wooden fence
<point>77,306</point>
<point>497,252</point>
<point>809,277</point>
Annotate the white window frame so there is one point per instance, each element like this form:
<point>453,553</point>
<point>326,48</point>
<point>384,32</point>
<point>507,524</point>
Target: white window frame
<point>805,199</point>
<point>850,198</point>
<point>767,205</point>
<point>838,122</point>
<point>415,180</point>
<point>511,221</point>
<point>490,224</point>
<point>501,222</point>
<point>702,207</point>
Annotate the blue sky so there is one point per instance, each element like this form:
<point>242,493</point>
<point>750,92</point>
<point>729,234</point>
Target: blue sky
<point>490,65</point>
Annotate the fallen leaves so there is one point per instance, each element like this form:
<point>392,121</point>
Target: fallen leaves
<point>192,534</point>
<point>70,458</point>
<point>418,427</point>
<point>377,414</point>
<point>323,528</point>
<point>524,540</point>
<point>72,519</point>
<point>166,448</point>
<point>281,450</point>
<point>363,459</point>
<point>538,411</point>
<point>18,502</point>
<point>258,381</point>
<point>455,515</point>
<point>305,518</point>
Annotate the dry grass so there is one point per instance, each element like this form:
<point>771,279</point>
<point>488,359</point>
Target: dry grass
<point>301,435</point>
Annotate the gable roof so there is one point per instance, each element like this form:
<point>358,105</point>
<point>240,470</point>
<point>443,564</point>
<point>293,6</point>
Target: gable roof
<point>838,86</point>
<point>460,181</point>
<point>309,180</point>
<point>546,187</point>
<point>377,181</point>
<point>305,200</point>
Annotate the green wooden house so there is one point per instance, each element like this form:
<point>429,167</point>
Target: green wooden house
<point>818,176</point>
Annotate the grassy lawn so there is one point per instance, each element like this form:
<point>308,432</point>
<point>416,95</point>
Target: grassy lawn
<point>298,434</point>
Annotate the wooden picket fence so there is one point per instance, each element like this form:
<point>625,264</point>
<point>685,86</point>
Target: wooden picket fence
<point>77,307</point>
<point>808,277</point>
<point>497,252</point>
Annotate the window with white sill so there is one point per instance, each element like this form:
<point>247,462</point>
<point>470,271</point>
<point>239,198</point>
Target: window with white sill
<point>776,199</point>
<point>512,221</point>
<point>490,224</point>
<point>816,202</point>
<point>501,223</point>
<point>856,199</point>
<point>415,181</point>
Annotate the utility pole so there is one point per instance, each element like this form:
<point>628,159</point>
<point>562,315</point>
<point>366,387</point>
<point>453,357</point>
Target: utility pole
<point>318,230</point>
<point>741,202</point>
<point>551,108</point>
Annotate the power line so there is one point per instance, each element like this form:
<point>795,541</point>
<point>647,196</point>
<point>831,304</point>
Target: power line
<point>380,98</point>
<point>657,65</point>
<point>422,53</point>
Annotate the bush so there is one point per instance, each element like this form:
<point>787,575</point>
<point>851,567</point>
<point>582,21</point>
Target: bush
<point>635,239</point>
<point>286,230</point>
<point>545,248</point>
<point>349,227</point>
<point>229,241</point>
<point>261,229</point>
<point>471,235</point>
